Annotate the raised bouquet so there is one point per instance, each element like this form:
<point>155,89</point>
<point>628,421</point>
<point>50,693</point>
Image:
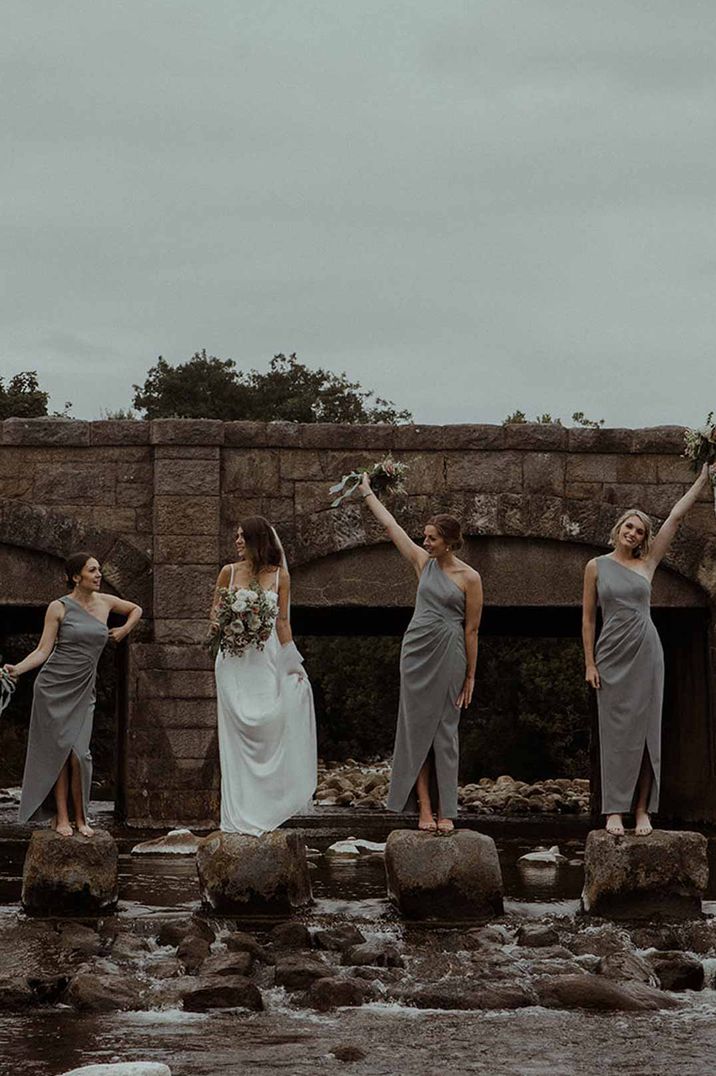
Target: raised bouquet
<point>700,447</point>
<point>385,477</point>
<point>243,617</point>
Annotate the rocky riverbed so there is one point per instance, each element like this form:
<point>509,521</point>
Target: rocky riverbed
<point>354,784</point>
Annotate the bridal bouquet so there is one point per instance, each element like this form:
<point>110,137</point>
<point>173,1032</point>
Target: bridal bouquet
<point>244,617</point>
<point>385,477</point>
<point>701,447</point>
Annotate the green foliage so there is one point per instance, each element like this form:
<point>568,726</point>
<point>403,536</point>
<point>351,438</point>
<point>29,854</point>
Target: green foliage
<point>530,717</point>
<point>208,387</point>
<point>578,418</point>
<point>122,414</point>
<point>23,397</point>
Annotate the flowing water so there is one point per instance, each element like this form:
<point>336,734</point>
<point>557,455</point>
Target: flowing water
<point>383,1036</point>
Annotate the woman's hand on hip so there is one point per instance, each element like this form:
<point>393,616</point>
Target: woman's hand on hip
<point>465,697</point>
<point>592,677</point>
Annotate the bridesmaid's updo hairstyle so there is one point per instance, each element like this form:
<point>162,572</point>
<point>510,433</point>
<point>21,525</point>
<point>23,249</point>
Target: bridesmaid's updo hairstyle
<point>261,546</point>
<point>74,565</point>
<point>643,549</point>
<point>448,528</point>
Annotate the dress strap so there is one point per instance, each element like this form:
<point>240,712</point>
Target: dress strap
<point>276,580</point>
<point>231,577</point>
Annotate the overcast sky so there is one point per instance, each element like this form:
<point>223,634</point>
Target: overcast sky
<point>467,206</point>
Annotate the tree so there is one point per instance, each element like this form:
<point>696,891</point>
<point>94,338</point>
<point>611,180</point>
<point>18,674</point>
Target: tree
<point>23,397</point>
<point>578,418</point>
<point>208,387</point>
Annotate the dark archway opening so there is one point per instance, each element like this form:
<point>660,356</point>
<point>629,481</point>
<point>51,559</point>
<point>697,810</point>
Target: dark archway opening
<point>529,656</point>
<point>20,630</point>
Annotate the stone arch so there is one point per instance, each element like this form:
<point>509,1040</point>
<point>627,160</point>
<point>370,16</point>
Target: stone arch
<point>51,535</point>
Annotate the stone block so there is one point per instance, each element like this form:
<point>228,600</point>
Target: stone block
<point>662,876</point>
<point>119,432</point>
<point>587,439</point>
<point>162,808</point>
<point>187,478</point>
<point>312,497</point>
<point>69,875</point>
<point>187,431</point>
<point>436,877</point>
<point>308,464</point>
<point>45,431</point>
<point>674,469</point>
<point>250,471</point>
<point>583,491</point>
<point>657,500</point>
<point>76,483</point>
<point>378,437</point>
<point>244,875</point>
<point>186,549</point>
<point>187,452</point>
<point>459,437</point>
<point>642,469</point>
<point>176,684</point>
<point>180,631</point>
<point>659,439</point>
<point>171,656</point>
<point>183,590</point>
<point>133,494</point>
<point>186,515</point>
<point>247,434</point>
<point>544,473</point>
<point>596,468</point>
<point>536,436</point>
<point>488,472</point>
<point>176,713</point>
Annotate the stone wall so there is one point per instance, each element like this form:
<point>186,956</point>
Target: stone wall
<point>159,502</point>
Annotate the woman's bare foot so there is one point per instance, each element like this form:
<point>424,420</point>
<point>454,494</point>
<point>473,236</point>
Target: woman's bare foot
<point>63,828</point>
<point>426,822</point>
<point>615,825</point>
<point>445,825</point>
<point>84,829</point>
<point>643,825</point>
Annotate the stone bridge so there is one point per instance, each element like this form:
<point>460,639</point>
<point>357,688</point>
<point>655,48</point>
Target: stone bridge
<point>159,501</point>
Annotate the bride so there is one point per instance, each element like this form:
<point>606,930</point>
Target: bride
<point>267,727</point>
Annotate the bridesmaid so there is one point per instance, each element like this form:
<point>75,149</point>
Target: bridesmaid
<point>627,667</point>
<point>437,668</point>
<point>58,765</point>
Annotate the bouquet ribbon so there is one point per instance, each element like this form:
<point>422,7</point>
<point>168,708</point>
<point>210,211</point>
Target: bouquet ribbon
<point>7,689</point>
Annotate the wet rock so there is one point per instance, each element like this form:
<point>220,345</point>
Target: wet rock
<point>123,1068</point>
<point>588,961</point>
<point>48,988</point>
<point>376,954</point>
<point>598,993</point>
<point>299,972</point>
<point>224,992</point>
<point>349,1053</point>
<point>663,875</point>
<point>598,941</point>
<point>128,947</point>
<point>90,992</point>
<point>69,875</point>
<point>378,975</point>
<point>677,971</point>
<point>626,967</point>
<point>246,875</point>
<point>193,951</point>
<point>173,933</point>
<point>167,967</point>
<point>447,877</point>
<point>15,994</point>
<point>240,942</point>
<point>227,964</point>
<point>333,993</point>
<point>290,936</point>
<point>338,938</point>
<point>491,937</point>
<point>467,995</point>
<point>78,938</point>
<point>698,937</point>
<point>178,842</point>
<point>655,937</point>
<point>537,936</point>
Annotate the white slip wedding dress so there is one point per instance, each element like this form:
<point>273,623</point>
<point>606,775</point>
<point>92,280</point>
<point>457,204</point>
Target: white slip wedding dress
<point>267,738</point>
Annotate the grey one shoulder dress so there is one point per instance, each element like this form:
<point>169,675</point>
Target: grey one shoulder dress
<point>630,661</point>
<point>433,664</point>
<point>62,711</point>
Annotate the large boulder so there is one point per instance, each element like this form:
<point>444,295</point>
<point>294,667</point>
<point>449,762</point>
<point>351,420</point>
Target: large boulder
<point>600,994</point>
<point>661,876</point>
<point>70,875</point>
<point>123,1068</point>
<point>92,992</point>
<point>224,992</point>
<point>678,971</point>
<point>244,875</point>
<point>433,876</point>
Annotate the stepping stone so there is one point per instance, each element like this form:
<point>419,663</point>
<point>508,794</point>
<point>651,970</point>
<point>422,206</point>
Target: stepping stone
<point>455,876</point>
<point>70,875</point>
<point>242,875</point>
<point>123,1068</point>
<point>661,876</point>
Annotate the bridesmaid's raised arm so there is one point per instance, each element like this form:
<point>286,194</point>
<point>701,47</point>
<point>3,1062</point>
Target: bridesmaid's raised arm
<point>400,539</point>
<point>667,532</point>
<point>589,623</point>
<point>131,610</point>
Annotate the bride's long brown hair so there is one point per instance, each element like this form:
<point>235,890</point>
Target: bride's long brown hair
<point>261,546</point>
